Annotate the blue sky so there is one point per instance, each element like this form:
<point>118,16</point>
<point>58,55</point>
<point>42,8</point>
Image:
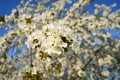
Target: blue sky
<point>7,5</point>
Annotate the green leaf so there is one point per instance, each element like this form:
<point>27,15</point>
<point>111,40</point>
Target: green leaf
<point>65,40</point>
<point>35,41</point>
<point>2,19</point>
<point>28,20</point>
<point>16,14</point>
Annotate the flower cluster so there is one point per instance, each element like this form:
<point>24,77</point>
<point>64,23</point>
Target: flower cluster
<point>51,39</point>
<point>56,42</point>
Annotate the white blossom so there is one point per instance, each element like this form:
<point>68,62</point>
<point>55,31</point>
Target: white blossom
<point>81,73</point>
<point>105,73</point>
<point>52,41</point>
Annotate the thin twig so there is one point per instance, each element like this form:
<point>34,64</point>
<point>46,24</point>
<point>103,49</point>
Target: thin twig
<point>30,57</point>
<point>87,64</point>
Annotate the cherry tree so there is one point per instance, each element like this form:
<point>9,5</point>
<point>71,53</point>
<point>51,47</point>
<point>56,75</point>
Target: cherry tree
<point>60,39</point>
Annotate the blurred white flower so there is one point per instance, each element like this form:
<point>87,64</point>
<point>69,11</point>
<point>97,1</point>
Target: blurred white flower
<point>2,40</point>
<point>81,73</point>
<point>105,73</point>
<point>107,60</point>
<point>100,62</point>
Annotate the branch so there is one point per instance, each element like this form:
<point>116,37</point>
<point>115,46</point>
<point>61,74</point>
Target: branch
<point>30,57</point>
<point>87,63</point>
